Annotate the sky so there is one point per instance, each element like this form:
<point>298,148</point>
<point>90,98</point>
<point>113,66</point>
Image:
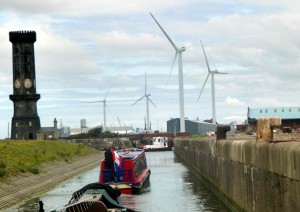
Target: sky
<point>85,48</point>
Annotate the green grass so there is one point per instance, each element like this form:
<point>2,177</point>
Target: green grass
<point>20,156</point>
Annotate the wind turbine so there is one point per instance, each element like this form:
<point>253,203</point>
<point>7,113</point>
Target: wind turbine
<point>147,102</point>
<point>180,75</point>
<point>212,73</point>
<point>104,109</point>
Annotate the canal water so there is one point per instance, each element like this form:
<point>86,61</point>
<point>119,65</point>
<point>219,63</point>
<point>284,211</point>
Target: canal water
<point>173,187</point>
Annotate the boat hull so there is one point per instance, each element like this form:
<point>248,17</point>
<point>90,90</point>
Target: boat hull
<point>130,175</point>
<point>126,188</point>
<point>169,148</point>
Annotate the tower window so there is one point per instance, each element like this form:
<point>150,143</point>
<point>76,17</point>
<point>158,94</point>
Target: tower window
<point>17,124</point>
<point>30,123</point>
<point>290,110</point>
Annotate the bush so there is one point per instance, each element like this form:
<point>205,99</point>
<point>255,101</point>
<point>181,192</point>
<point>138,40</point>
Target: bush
<point>2,165</point>
<point>33,170</point>
<point>2,173</point>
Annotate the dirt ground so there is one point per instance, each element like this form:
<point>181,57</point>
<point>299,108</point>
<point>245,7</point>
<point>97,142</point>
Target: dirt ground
<point>277,137</point>
<point>23,187</point>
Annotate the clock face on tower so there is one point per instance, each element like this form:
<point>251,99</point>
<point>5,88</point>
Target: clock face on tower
<point>17,83</point>
<point>27,83</point>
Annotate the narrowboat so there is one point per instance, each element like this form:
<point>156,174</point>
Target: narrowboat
<point>158,144</point>
<point>130,173</point>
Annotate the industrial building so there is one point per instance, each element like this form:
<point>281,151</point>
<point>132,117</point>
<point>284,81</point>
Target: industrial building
<point>46,133</point>
<point>121,130</point>
<point>195,127</point>
<point>290,116</point>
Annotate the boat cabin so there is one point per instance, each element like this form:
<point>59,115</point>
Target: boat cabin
<point>130,170</point>
<point>157,142</point>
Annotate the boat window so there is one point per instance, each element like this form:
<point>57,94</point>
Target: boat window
<point>139,166</point>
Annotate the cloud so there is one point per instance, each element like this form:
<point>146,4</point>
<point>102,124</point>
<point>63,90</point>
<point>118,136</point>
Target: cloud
<point>230,101</point>
<point>269,102</point>
<point>83,47</point>
<point>84,8</point>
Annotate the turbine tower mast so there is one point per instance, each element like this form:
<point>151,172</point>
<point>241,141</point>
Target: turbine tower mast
<point>104,109</point>
<point>180,75</point>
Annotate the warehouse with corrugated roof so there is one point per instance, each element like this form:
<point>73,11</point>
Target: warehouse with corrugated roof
<point>290,116</point>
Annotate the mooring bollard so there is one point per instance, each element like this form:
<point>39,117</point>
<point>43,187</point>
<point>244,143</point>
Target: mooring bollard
<point>221,131</point>
<point>265,126</point>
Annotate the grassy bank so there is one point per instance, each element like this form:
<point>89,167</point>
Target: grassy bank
<point>19,156</point>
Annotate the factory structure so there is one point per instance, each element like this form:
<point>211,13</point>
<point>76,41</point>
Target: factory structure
<point>194,127</point>
<point>290,116</point>
<point>65,131</point>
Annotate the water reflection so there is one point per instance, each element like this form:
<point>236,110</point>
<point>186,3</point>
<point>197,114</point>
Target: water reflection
<point>173,187</point>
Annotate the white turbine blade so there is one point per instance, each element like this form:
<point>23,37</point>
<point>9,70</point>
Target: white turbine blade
<point>138,100</point>
<point>107,92</point>
<point>164,33</point>
<point>175,56</point>
<point>203,87</point>
<point>152,102</point>
<point>205,57</point>
<point>219,72</point>
<point>93,102</point>
<point>145,83</point>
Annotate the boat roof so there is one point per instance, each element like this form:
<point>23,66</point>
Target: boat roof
<point>129,153</point>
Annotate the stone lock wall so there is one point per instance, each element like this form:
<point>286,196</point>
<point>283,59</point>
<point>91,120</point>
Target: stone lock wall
<point>251,176</point>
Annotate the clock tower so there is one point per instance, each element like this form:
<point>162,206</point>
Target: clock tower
<point>25,122</point>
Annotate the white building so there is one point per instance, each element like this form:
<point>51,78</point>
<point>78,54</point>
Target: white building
<point>121,130</point>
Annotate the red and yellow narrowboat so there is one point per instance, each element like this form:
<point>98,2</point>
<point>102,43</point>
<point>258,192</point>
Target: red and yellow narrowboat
<point>130,174</point>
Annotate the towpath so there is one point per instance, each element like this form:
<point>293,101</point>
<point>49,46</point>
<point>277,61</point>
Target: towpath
<point>25,186</point>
